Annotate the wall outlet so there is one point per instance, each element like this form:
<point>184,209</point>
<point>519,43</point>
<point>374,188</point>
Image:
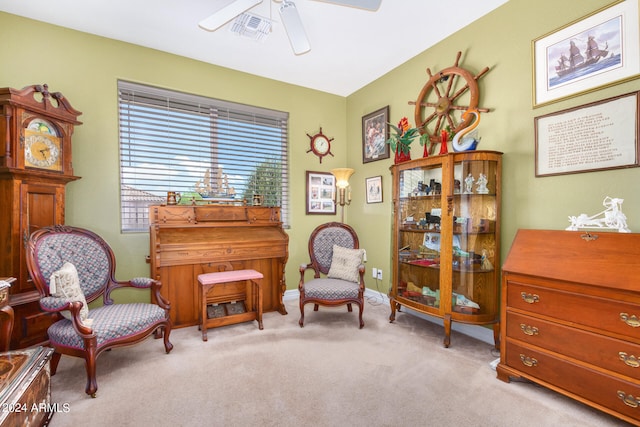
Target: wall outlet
<point>379,274</point>
<point>374,273</point>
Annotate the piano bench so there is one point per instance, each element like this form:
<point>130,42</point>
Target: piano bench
<point>208,281</point>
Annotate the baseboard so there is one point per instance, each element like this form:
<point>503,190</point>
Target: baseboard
<point>478,332</point>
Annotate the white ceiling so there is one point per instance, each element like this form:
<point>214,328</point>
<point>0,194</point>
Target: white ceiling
<point>349,47</point>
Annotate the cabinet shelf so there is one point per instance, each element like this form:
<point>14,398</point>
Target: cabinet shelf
<point>458,274</point>
<point>453,269</point>
<point>419,230</point>
<point>437,196</point>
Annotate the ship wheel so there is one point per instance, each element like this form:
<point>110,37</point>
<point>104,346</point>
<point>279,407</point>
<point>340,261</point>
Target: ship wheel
<point>443,100</point>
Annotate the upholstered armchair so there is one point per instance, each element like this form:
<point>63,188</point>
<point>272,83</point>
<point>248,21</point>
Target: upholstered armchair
<point>338,268</point>
<point>71,267</point>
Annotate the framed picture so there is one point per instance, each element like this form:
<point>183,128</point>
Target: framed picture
<point>596,136</point>
<point>375,132</point>
<point>321,190</point>
<point>593,52</point>
<point>373,187</point>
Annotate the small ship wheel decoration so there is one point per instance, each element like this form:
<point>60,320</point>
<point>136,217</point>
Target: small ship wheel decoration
<point>320,145</point>
<point>444,99</point>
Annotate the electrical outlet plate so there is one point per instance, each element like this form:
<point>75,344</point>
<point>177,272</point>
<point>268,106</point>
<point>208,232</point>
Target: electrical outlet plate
<point>374,273</point>
<point>379,274</point>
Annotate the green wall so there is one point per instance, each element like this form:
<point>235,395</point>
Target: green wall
<point>500,40</point>
<point>85,69</point>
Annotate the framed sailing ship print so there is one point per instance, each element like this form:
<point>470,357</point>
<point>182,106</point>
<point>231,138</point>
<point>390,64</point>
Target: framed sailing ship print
<point>599,50</point>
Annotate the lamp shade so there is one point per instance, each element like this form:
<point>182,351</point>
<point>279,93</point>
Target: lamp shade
<point>342,176</point>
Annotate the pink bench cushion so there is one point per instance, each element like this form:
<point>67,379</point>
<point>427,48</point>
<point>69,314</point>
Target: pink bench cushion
<point>228,276</point>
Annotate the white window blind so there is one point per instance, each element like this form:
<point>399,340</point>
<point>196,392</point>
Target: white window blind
<point>199,147</point>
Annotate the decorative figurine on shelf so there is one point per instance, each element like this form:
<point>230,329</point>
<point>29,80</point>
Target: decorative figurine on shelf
<point>456,186</point>
<point>466,139</point>
<point>485,264</point>
<point>612,217</point>
<point>435,186</point>
<point>468,184</point>
<point>444,137</point>
<point>482,184</point>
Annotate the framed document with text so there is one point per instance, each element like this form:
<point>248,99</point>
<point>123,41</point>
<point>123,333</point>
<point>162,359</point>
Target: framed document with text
<point>597,136</point>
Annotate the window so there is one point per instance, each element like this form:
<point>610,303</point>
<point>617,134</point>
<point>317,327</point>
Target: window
<point>202,148</point>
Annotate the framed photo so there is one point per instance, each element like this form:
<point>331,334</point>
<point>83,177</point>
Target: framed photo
<point>375,132</point>
<point>593,52</point>
<point>373,187</point>
<point>596,136</point>
<point>321,191</point>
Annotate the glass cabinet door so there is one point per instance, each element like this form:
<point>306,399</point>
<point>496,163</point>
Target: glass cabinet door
<point>474,247</point>
<point>447,237</point>
<point>420,212</point>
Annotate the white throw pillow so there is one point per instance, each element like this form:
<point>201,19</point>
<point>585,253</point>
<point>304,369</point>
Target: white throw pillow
<point>65,284</point>
<point>345,263</point>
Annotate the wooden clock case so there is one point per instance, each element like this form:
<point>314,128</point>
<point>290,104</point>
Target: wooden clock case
<point>30,197</point>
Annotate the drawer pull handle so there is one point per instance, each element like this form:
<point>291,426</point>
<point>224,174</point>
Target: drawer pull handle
<point>632,320</point>
<point>629,359</point>
<point>529,330</point>
<point>528,361</point>
<point>530,298</point>
<point>628,399</point>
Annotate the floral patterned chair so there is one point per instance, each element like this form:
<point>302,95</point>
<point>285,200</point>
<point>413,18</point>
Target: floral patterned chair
<point>70,267</point>
<point>338,268</point>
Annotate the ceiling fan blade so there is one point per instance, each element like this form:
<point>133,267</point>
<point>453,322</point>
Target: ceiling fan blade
<point>295,30</point>
<point>360,4</point>
<point>226,14</point>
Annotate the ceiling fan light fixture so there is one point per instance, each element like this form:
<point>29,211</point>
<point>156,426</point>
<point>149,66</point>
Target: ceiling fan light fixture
<point>293,25</point>
<point>251,26</point>
<point>226,14</point>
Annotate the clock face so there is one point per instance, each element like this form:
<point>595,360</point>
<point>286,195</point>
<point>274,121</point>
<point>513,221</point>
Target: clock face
<point>42,151</point>
<point>321,145</point>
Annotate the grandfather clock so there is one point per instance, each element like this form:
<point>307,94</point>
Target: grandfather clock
<point>35,166</point>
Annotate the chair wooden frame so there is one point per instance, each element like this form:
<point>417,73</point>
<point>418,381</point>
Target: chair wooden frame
<point>91,349</point>
<point>321,265</point>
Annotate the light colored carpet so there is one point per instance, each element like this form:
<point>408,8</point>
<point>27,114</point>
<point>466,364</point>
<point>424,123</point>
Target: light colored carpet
<point>328,373</point>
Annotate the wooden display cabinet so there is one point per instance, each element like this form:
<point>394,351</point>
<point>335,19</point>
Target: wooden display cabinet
<point>446,238</point>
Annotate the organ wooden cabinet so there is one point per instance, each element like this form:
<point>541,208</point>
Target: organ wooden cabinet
<point>186,241</point>
<point>446,238</point>
<point>35,166</point>
<point>571,316</point>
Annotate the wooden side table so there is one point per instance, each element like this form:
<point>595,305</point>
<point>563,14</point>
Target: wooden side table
<point>25,388</point>
<point>6,313</point>
<point>226,291</point>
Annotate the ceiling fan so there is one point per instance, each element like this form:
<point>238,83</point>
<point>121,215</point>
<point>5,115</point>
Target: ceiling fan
<point>288,13</point>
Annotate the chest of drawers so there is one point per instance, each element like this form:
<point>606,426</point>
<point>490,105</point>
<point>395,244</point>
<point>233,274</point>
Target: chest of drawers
<point>571,316</point>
